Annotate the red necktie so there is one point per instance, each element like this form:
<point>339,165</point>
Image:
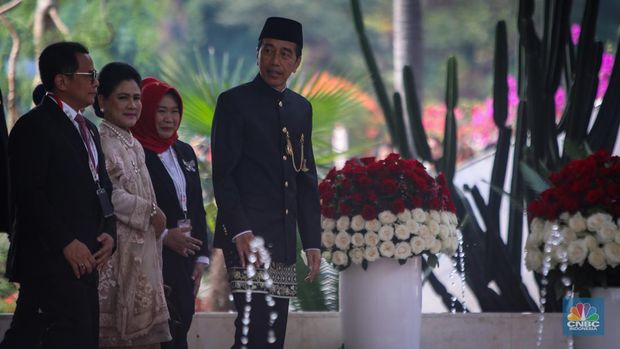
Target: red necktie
<point>84,133</point>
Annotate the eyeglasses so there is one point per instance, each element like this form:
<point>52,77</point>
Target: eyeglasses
<point>92,74</point>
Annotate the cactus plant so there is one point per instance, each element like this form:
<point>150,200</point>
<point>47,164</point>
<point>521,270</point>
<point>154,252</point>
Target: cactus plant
<point>542,64</point>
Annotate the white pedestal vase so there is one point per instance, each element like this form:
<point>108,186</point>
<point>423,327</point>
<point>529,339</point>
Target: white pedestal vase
<point>611,339</point>
<point>381,307</point>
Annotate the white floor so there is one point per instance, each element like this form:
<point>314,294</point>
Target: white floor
<point>309,330</point>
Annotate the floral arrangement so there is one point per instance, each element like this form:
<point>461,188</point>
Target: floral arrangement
<point>386,208</point>
<point>578,219</point>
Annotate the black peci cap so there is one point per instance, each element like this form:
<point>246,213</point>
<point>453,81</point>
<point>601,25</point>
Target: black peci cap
<point>283,29</point>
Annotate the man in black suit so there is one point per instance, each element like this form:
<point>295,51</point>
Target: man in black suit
<point>60,196</point>
<point>265,183</point>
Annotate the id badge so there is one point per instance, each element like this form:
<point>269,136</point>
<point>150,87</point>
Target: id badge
<point>104,201</point>
<point>181,223</point>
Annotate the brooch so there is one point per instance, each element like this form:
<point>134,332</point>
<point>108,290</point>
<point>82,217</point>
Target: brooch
<point>190,166</point>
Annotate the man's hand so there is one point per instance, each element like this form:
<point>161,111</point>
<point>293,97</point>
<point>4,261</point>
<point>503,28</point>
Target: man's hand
<point>243,249</point>
<point>314,264</point>
<point>179,242</point>
<point>197,276</point>
<point>107,246</point>
<point>79,257</point>
<point>159,221</point>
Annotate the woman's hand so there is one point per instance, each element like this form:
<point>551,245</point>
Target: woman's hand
<point>158,221</point>
<point>181,242</point>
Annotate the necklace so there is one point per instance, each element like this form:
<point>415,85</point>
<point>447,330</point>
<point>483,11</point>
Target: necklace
<point>128,143</point>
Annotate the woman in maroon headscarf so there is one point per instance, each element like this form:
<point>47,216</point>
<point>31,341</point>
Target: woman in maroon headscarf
<point>173,168</point>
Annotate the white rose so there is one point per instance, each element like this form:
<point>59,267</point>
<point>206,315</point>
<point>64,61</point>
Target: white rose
<point>564,217</point>
<point>342,223</point>
<point>617,237</point>
<point>419,215</point>
<point>373,225</point>
<point>343,239</point>
<point>387,249</point>
<point>433,226</point>
<point>577,251</point>
<point>404,216</point>
<point>449,246</point>
<point>533,260</point>
<point>371,253</point>
<point>606,232</point>
<point>534,239</point>
<point>371,238</point>
<point>591,242</point>
<point>569,235</point>
<point>424,232</point>
<point>435,246</point>
<point>453,219</point>
<point>386,233</point>
<point>455,244</point>
<point>356,255</point>
<point>612,253</point>
<point>402,232</point>
<point>595,221</point>
<point>327,239</point>
<point>387,217</point>
<point>444,232</point>
<point>537,225</point>
<point>358,223</point>
<point>445,217</point>
<point>340,258</point>
<point>577,223</point>
<point>357,240</point>
<point>414,227</point>
<point>596,258</point>
<point>403,250</point>
<point>327,255</point>
<point>560,253</point>
<point>328,224</point>
<point>417,245</point>
<point>434,216</point>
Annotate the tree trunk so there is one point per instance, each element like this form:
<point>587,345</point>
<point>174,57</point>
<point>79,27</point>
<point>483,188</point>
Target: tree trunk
<point>408,50</point>
<point>408,42</point>
<point>12,108</point>
<point>11,104</point>
<point>45,17</point>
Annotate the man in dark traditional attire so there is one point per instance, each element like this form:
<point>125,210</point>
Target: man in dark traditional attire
<point>265,182</point>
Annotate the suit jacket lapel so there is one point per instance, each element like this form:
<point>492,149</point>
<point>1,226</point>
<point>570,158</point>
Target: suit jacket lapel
<point>68,131</point>
<point>163,177</point>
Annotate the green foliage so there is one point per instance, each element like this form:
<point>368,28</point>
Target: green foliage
<point>320,295</point>
<point>6,288</point>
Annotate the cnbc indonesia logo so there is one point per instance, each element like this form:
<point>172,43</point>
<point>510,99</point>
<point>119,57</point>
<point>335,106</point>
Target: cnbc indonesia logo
<point>583,319</point>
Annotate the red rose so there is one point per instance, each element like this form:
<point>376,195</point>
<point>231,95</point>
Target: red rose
<point>398,206</point>
<point>416,202</point>
<point>331,174</point>
<point>594,196</point>
<point>345,185</point>
<point>357,198</point>
<point>328,212</point>
<point>327,196</point>
<point>371,195</point>
<point>364,181</point>
<point>324,186</point>
<point>345,209</point>
<point>368,160</point>
<point>389,186</point>
<point>393,157</point>
<point>369,212</point>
